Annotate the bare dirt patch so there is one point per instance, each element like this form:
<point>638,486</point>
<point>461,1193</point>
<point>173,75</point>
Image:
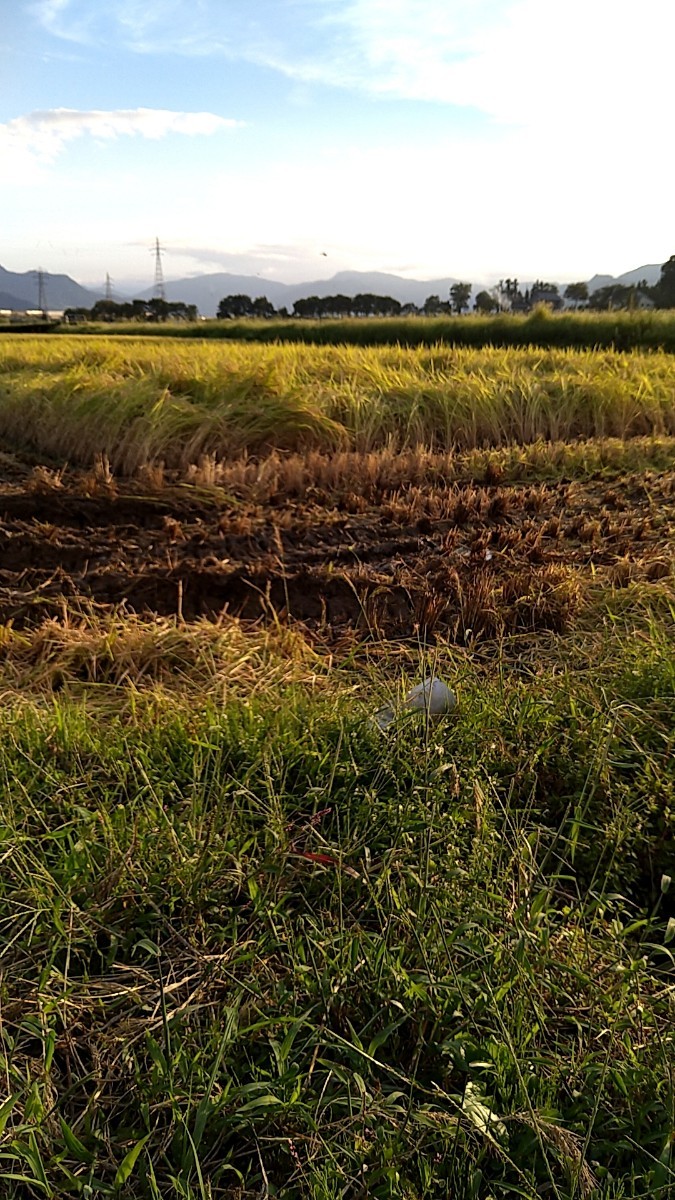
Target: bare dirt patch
<point>399,560</point>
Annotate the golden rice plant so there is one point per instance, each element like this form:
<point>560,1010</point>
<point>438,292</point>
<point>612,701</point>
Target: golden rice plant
<point>138,401</point>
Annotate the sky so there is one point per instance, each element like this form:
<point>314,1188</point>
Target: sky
<point>292,139</point>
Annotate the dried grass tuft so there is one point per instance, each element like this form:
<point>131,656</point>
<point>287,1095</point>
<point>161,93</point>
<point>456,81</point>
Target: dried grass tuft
<point>568,1146</point>
<point>204,659</point>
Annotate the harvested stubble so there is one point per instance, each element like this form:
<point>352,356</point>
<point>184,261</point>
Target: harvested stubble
<point>138,401</point>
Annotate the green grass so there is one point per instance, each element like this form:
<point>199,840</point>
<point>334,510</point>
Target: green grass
<point>137,401</point>
<point>250,946</point>
<point>469,995</point>
<point>647,330</point>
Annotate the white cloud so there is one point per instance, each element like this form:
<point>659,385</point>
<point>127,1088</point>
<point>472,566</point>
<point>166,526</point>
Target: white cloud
<point>569,171</point>
<point>29,141</point>
<point>520,61</point>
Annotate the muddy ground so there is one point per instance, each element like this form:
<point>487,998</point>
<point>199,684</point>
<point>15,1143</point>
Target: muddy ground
<point>473,560</point>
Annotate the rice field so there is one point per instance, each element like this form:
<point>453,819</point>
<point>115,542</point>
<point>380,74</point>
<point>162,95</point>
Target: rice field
<point>641,329</point>
<point>135,401</point>
<point>250,944</point>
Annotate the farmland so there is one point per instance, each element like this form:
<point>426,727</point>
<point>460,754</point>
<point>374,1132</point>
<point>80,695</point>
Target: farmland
<point>641,329</point>
<point>249,944</point>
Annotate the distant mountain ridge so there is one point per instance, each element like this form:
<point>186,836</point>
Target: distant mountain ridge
<point>20,290</point>
<point>206,291</point>
<point>651,272</point>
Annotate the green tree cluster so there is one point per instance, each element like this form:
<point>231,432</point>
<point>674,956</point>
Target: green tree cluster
<point>134,310</point>
<point>460,295</point>
<point>664,292</point>
<point>365,304</point>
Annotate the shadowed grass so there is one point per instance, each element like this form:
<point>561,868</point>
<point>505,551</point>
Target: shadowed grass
<point>647,330</point>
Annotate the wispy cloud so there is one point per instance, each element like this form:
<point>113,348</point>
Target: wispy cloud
<point>518,61</point>
<point>187,27</point>
<point>39,137</point>
<point>569,164</point>
<point>254,260</point>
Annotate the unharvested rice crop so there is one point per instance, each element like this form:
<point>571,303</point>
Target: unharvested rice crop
<point>137,401</point>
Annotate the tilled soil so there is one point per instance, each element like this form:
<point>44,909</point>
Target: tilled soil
<point>478,559</point>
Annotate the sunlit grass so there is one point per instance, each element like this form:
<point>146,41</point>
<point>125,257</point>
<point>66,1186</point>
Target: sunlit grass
<point>140,401</point>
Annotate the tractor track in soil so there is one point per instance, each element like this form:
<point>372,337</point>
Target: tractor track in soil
<point>485,556</point>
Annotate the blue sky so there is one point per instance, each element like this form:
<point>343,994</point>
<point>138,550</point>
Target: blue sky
<point>296,138</point>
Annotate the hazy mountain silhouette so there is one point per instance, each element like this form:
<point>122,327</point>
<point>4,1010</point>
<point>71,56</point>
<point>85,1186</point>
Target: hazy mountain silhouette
<point>651,272</point>
<point>207,290</point>
<point>20,290</point>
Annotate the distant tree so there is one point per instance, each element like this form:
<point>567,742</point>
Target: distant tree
<point>664,291</point>
<point>627,296</point>
<point>75,316</point>
<point>613,296</point>
<point>235,306</point>
<point>262,307</point>
<point>176,310</point>
<point>160,309</point>
<point>546,293</point>
<point>137,310</point>
<point>367,304</point>
<point>577,293</point>
<point>387,306</point>
<point>106,310</point>
<point>341,306</point>
<point>486,303</point>
<point>510,296</point>
<point>433,306</point>
<point>460,295</point>
<point>308,307</point>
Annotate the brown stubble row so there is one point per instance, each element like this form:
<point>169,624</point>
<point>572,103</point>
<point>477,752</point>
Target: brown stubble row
<point>367,552</point>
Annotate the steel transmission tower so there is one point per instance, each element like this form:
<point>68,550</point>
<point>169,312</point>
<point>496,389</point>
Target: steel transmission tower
<point>160,291</point>
<point>41,276</point>
<point>108,287</point>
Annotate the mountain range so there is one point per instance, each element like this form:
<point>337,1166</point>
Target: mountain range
<point>20,290</point>
<point>207,290</point>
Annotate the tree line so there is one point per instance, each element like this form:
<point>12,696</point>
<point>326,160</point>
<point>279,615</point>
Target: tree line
<point>506,296</point>
<point>134,310</point>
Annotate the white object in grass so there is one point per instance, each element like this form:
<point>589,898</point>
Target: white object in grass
<point>432,697</point>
